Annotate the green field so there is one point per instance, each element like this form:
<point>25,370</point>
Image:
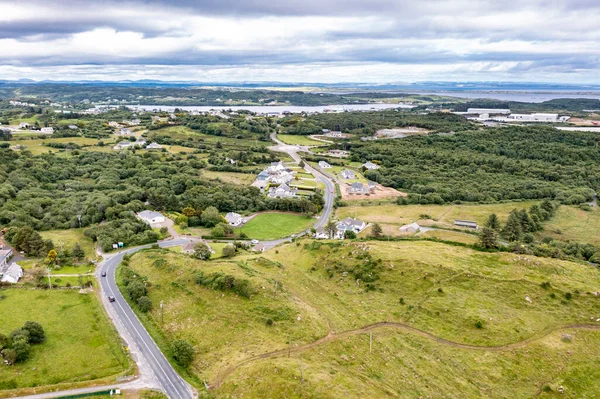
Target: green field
<point>441,215</point>
<point>273,225</point>
<point>68,238</point>
<point>37,147</point>
<point>572,223</point>
<point>185,133</point>
<point>299,140</point>
<point>443,319</point>
<point>244,179</point>
<point>81,344</point>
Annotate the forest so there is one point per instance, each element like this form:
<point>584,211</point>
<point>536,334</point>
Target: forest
<point>84,189</point>
<point>511,163</point>
<point>367,123</point>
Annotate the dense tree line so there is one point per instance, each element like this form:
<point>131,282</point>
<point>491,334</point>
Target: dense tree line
<point>367,123</point>
<point>15,348</point>
<point>512,163</point>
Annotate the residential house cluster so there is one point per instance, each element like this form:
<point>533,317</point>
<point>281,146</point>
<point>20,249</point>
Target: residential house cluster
<point>277,174</point>
<point>123,145</point>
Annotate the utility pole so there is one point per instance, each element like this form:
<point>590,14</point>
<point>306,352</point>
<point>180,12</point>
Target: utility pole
<point>370,341</point>
<point>162,313</point>
<point>49,281</point>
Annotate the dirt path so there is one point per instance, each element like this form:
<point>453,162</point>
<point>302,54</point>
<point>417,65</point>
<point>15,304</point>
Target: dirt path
<point>400,326</point>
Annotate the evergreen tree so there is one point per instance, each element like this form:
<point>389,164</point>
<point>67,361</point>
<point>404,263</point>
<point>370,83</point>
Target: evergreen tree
<point>376,230</point>
<point>527,225</point>
<point>512,230</point>
<point>488,238</point>
<point>493,222</point>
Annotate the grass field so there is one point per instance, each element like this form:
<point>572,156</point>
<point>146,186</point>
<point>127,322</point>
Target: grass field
<point>185,133</point>
<point>273,225</point>
<point>36,146</point>
<point>299,140</point>
<point>68,238</point>
<point>441,215</point>
<point>447,235</point>
<point>572,223</point>
<point>458,322</point>
<point>244,179</point>
<point>81,344</point>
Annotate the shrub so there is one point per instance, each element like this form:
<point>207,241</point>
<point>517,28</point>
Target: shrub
<point>269,322</point>
<point>545,285</point>
<point>478,324</point>
<point>37,334</point>
<point>9,356</point>
<point>229,251</point>
<point>136,290</point>
<point>144,304</point>
<point>21,348</point>
<point>183,352</point>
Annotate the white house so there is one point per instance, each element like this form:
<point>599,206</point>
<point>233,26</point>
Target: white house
<point>73,127</point>
<point>347,174</point>
<point>372,186</point>
<point>276,167</point>
<point>536,117</point>
<point>151,217</point>
<point>480,111</point>
<point>324,165</point>
<point>23,125</point>
<point>357,188</point>
<point>11,274</point>
<point>48,130</point>
<point>371,166</point>
<point>154,146</point>
<point>234,219</point>
<point>125,132</point>
<point>140,142</point>
<point>122,145</point>
<point>282,191</point>
<point>410,228</point>
<point>5,255</point>
<point>350,224</point>
<point>113,124</point>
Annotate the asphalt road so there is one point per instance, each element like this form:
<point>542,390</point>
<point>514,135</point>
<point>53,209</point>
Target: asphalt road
<point>153,365</point>
<point>329,195</point>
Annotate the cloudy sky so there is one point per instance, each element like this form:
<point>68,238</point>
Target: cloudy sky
<point>301,40</point>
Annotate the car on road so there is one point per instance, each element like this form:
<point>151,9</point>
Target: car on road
<point>254,242</point>
<point>103,274</point>
<point>111,298</point>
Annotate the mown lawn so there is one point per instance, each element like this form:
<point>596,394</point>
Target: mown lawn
<point>299,140</point>
<point>68,238</point>
<point>81,344</point>
<point>272,225</point>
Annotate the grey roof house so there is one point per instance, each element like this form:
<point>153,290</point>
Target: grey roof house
<point>348,174</point>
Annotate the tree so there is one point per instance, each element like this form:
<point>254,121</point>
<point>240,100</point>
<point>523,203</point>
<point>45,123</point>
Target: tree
<point>376,230</point>
<point>189,212</point>
<point>218,231</point>
<point>302,164</point>
<point>229,251</point>
<point>136,290</point>
<point>211,217</point>
<point>202,251</point>
<point>349,234</point>
<point>331,229</point>
<point>52,257</point>
<point>78,253</point>
<point>549,208</point>
<point>493,222</point>
<point>512,230</point>
<point>183,352</point>
<point>145,304</point>
<point>37,335</point>
<point>488,238</point>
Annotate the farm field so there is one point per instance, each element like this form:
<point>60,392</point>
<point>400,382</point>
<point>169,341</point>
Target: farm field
<point>442,215</point>
<point>185,133</point>
<point>68,238</point>
<point>80,346</point>
<point>455,320</point>
<point>299,140</point>
<point>36,145</point>
<point>273,225</point>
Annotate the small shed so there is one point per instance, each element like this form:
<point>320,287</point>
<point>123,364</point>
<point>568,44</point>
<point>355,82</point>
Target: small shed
<point>410,228</point>
<point>466,223</point>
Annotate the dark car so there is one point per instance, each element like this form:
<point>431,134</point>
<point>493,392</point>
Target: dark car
<point>103,274</point>
<point>111,298</point>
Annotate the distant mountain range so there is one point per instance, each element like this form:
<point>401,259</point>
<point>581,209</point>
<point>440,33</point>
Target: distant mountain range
<point>416,86</point>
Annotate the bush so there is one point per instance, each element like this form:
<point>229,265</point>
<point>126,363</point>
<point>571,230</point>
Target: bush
<point>229,251</point>
<point>37,334</point>
<point>21,348</point>
<point>183,352</point>
<point>136,290</point>
<point>9,356</point>
<point>144,304</point>
<point>478,324</point>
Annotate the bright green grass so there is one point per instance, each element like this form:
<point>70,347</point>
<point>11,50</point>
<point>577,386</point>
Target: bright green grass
<point>271,225</point>
<point>81,344</point>
<point>68,238</point>
<point>75,270</point>
<point>299,140</point>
